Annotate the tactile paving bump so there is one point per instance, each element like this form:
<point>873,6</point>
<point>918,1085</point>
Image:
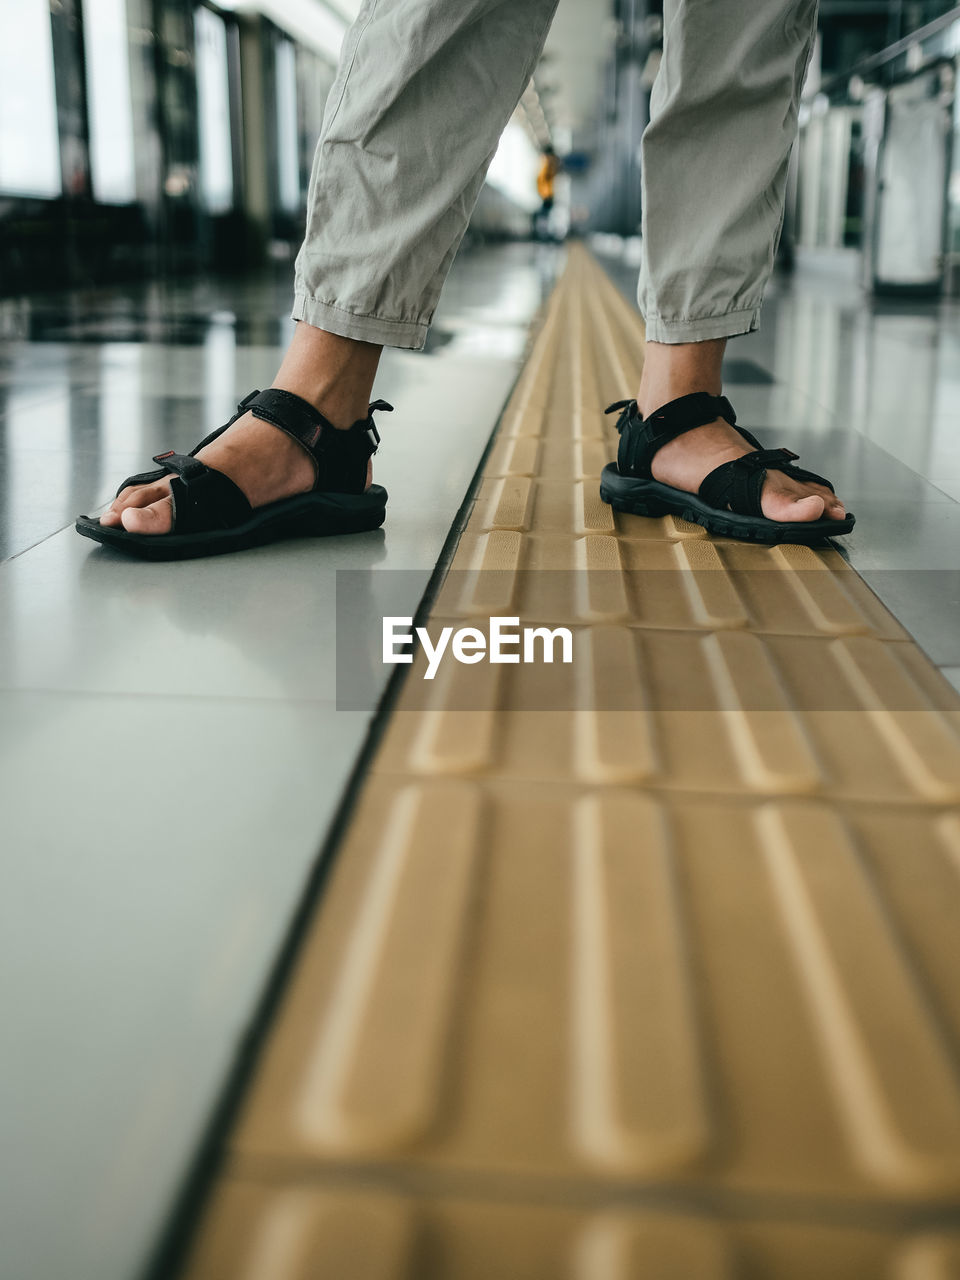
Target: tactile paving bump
<point>689,583</point>
<point>296,1231</point>
<point>604,985</point>
<point>726,713</point>
<point>694,935</point>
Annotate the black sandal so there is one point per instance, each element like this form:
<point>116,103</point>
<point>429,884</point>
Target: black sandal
<point>728,501</point>
<point>211,515</point>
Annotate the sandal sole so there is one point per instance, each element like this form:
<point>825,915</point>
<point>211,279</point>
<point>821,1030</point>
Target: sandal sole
<point>309,515</point>
<point>651,498</point>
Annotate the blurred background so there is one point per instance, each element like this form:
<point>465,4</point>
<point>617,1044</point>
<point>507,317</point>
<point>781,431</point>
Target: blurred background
<point>140,138</point>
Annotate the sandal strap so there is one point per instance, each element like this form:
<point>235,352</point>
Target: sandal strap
<point>150,477</point>
<point>144,477</point>
<point>204,499</point>
<point>738,484</point>
<point>339,457</point>
<point>640,437</point>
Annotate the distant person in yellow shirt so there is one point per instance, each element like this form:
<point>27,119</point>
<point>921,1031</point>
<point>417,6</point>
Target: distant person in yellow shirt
<point>549,169</point>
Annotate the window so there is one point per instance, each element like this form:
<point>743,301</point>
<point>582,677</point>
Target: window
<point>110,107</point>
<point>288,132</point>
<point>514,167</point>
<point>29,141</point>
<point>213,94</point>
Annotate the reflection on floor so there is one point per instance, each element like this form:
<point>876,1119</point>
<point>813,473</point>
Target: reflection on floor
<point>170,750</point>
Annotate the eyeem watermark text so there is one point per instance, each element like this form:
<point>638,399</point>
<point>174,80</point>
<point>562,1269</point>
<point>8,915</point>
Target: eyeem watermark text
<point>506,642</point>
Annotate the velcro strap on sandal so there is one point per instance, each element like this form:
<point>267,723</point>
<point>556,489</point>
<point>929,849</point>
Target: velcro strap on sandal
<point>203,498</point>
<point>295,416</point>
<point>339,456</point>
<point>180,464</point>
<point>143,477</point>
<point>738,484</point>
<point>640,437</point>
<point>215,435</point>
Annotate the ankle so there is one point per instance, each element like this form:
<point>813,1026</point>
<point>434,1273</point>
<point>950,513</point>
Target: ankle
<point>332,373</point>
<point>679,369</point>
<point>342,405</point>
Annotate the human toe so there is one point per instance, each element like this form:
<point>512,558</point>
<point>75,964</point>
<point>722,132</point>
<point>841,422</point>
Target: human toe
<point>141,495</point>
<point>786,507</point>
<point>156,517</point>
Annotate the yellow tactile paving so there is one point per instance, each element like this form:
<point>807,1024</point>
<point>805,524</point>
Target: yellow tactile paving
<point>608,985</point>
<point>723,712</point>
<point>660,982</point>
<point>670,581</point>
<point>290,1231</point>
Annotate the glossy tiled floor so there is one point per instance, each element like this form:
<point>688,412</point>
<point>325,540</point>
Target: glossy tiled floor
<point>615,988</point>
<point>170,752</point>
<point>200,696</point>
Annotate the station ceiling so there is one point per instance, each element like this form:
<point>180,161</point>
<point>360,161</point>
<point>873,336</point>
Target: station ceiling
<point>568,80</point>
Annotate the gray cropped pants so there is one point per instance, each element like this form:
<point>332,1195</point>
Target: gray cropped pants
<point>423,91</point>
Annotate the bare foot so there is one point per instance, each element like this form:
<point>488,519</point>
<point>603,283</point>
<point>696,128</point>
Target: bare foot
<point>267,465</point>
<point>685,461</point>
<point>334,374</point>
<point>677,369</point>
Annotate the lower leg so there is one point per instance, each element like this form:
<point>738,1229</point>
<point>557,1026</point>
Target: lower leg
<point>678,369</point>
<point>723,120</point>
<point>334,374</point>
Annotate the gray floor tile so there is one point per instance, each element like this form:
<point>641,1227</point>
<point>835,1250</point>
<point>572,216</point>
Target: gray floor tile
<point>910,555</point>
<point>927,602</point>
<point>905,535</point>
<point>77,617</point>
<point>43,490</point>
<point>154,849</point>
<point>105,419</point>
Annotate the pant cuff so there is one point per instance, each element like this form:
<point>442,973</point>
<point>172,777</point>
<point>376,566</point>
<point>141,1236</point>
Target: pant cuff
<point>725,326</point>
<point>410,334</point>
